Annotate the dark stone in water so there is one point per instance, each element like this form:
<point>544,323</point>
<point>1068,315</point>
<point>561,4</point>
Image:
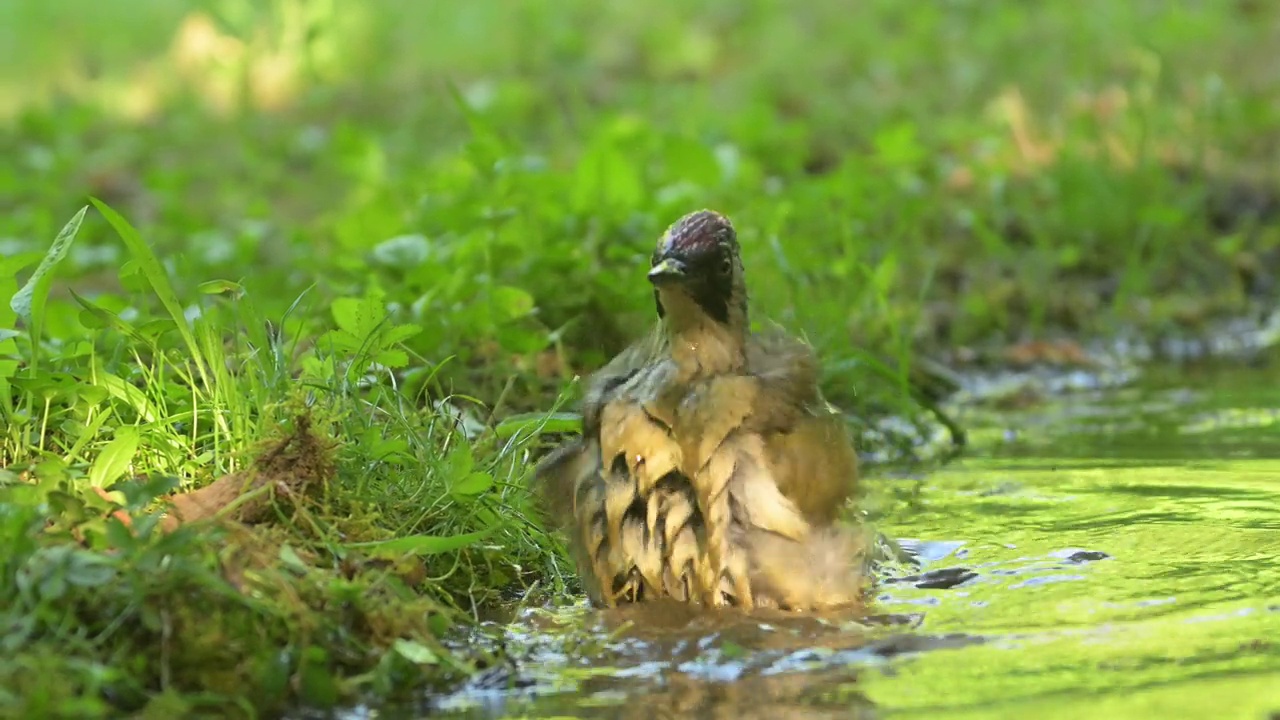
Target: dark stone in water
<point>903,644</point>
<point>945,579</point>
<point>1087,556</point>
<point>942,579</point>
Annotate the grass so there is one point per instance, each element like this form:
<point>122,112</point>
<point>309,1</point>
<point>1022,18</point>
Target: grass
<point>354,254</point>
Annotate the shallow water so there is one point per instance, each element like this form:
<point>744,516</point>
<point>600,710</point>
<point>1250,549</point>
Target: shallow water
<point>1114,553</point>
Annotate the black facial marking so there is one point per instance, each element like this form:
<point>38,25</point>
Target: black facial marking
<point>712,295</point>
<point>709,282</point>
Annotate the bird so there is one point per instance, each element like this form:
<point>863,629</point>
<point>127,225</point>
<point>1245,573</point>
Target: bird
<point>709,468</point>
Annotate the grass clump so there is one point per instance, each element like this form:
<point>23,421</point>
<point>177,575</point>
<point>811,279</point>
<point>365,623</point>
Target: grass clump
<point>200,515</point>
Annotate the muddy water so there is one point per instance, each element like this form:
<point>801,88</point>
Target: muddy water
<point>1113,553</point>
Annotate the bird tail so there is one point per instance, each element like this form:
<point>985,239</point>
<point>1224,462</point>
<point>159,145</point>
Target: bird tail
<point>556,478</point>
<point>825,570</point>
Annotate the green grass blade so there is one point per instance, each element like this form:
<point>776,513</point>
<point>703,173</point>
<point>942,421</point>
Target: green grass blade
<point>156,276</point>
<point>535,422</point>
<point>121,390</point>
<point>422,544</point>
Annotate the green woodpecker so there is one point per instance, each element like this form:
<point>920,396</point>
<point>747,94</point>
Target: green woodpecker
<point>710,468</point>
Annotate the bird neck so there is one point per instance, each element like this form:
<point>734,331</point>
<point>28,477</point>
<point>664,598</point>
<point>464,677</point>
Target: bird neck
<point>700,344</point>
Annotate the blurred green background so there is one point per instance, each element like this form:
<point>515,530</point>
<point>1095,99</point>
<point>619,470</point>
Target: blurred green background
<point>903,175</point>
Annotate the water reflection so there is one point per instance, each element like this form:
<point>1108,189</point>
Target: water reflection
<point>1120,558</point>
<point>666,660</point>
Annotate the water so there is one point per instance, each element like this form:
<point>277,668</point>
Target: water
<point>1114,553</point>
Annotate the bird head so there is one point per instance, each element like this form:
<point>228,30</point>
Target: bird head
<point>697,272</point>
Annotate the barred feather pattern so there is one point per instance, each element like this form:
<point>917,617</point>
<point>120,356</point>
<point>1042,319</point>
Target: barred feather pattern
<point>669,493</point>
<point>684,488</point>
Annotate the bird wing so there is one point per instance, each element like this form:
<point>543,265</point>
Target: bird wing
<point>814,465</point>
<point>559,474</point>
<point>808,450</point>
<point>602,386</point>
<point>573,482</point>
<point>787,366</point>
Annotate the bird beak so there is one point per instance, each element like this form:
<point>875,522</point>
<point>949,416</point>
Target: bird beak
<point>668,270</point>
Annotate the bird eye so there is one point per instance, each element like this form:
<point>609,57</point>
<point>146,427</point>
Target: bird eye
<point>726,265</point>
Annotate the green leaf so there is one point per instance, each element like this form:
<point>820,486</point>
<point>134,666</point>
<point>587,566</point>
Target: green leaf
<point>28,302</point>
<point>67,507</point>
<point>114,459</point>
<point>896,145</point>
<point>48,386</point>
<point>136,493</point>
<point>439,624</point>
<point>11,264</point>
<point>53,585</point>
<point>422,544</point>
<point>96,317</point>
<point>339,341</point>
<point>131,278</point>
<point>486,146</point>
<point>459,462</point>
<point>216,287</point>
<point>87,569</point>
<point>316,684</point>
<point>883,276</point>
<point>693,161</point>
<point>346,313</point>
<point>290,558</point>
<point>472,485</point>
<point>393,358</point>
<point>606,178</point>
<point>511,303</point>
<point>359,316</point>
<point>402,251</point>
<point>415,652</point>
<point>400,333</point>
<point>118,535</point>
<point>129,394</point>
